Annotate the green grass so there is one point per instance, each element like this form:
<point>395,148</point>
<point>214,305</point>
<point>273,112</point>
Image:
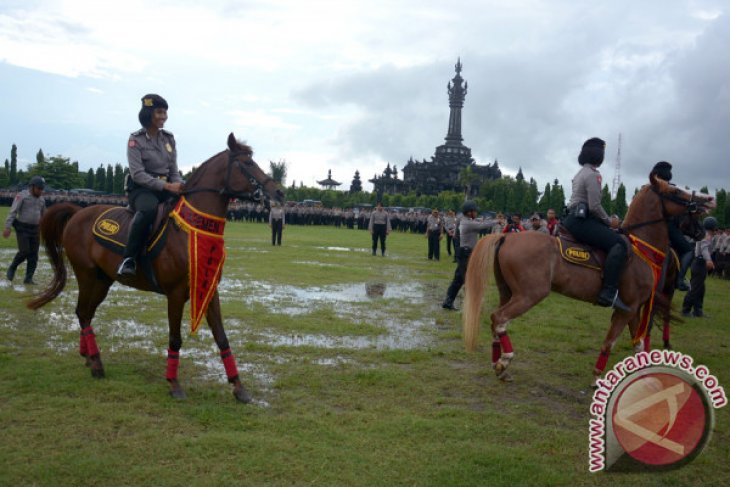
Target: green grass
<point>350,389</point>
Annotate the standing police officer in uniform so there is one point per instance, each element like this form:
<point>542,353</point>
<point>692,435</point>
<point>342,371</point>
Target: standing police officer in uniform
<point>25,215</point>
<point>153,175</point>
<point>469,229</point>
<point>277,221</point>
<point>684,249</point>
<point>589,222</point>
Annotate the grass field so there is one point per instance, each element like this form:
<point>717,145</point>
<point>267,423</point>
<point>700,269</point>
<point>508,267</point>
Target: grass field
<point>359,379</point>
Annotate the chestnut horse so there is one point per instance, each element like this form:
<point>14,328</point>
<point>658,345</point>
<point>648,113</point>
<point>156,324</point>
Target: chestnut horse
<point>689,225</point>
<point>67,229</point>
<point>521,287</point>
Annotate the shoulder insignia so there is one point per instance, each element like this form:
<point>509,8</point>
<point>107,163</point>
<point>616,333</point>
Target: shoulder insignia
<point>132,143</point>
<point>138,132</point>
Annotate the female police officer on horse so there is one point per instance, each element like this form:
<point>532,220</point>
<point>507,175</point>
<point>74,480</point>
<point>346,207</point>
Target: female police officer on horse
<point>589,222</point>
<point>153,175</point>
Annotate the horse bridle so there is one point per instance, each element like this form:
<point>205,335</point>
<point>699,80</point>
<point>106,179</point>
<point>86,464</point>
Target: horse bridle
<point>691,206</point>
<point>233,160</point>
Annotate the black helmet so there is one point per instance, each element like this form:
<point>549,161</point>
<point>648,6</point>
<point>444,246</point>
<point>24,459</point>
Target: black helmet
<point>592,152</point>
<point>469,206</point>
<point>663,169</point>
<point>710,223</point>
<point>38,182</point>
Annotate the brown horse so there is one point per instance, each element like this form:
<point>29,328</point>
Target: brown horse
<point>691,226</point>
<point>67,229</point>
<point>522,287</point>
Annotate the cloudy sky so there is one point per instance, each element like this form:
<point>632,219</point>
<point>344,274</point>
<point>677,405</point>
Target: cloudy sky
<point>346,85</point>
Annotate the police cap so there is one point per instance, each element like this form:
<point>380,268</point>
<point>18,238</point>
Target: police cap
<point>38,182</point>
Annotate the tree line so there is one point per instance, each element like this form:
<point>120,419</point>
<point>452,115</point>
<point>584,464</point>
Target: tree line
<point>60,173</point>
<point>506,194</point>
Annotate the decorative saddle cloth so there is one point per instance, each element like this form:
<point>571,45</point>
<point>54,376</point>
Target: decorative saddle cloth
<point>579,253</point>
<point>111,229</point>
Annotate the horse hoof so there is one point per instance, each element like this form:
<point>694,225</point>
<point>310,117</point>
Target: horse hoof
<point>505,377</point>
<point>97,373</point>
<point>500,369</point>
<point>242,395</point>
<point>178,394</point>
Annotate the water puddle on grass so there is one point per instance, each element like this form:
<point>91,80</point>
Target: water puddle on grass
<point>133,320</point>
<point>260,292</point>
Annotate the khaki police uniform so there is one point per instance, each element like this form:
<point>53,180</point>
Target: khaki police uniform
<point>276,222</point>
<point>25,215</point>
<point>589,223</point>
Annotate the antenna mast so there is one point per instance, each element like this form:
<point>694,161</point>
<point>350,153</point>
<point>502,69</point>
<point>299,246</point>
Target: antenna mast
<point>617,173</point>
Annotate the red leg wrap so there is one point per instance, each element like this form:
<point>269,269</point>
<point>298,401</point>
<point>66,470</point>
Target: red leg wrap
<point>173,360</point>
<point>83,349</point>
<point>229,362</point>
<point>92,349</point>
<point>602,361</point>
<point>496,351</point>
<point>665,332</point>
<point>647,343</point>
<point>506,343</point>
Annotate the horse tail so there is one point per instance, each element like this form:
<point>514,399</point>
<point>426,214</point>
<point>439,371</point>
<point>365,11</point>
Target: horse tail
<point>51,229</point>
<point>481,265</point>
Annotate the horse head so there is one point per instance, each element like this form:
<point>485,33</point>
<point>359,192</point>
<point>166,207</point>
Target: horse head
<point>686,206</point>
<point>245,178</point>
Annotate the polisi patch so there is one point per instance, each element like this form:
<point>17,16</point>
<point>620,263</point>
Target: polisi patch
<point>577,255</point>
<point>580,254</point>
<point>107,227</point>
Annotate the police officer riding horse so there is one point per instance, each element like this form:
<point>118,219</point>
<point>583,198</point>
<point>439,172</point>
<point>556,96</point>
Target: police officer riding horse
<point>589,223</point>
<point>154,175</point>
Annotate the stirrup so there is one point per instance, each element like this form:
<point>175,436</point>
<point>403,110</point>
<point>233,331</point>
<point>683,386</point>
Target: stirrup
<point>614,302</point>
<point>127,268</point>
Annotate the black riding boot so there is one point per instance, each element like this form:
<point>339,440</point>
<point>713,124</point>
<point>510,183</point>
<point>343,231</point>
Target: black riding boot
<point>128,267</point>
<point>685,261</point>
<point>30,270</point>
<point>611,273</point>
<point>449,303</point>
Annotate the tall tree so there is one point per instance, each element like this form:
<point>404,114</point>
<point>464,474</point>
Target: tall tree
<point>356,185</point>
<point>89,179</point>
<point>40,158</point>
<point>720,211</point>
<point>278,171</point>
<point>118,179</point>
<point>544,204</point>
<point>14,164</point>
<point>619,204</point>
<point>606,199</point>
<point>100,178</point>
<point>109,184</point>
<point>557,197</point>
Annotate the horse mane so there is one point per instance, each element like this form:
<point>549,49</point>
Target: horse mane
<point>198,171</point>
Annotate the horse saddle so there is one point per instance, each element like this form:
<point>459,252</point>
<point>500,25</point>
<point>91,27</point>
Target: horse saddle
<point>111,229</point>
<point>579,253</point>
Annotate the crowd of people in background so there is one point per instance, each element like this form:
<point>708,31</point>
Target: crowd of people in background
<point>443,222</point>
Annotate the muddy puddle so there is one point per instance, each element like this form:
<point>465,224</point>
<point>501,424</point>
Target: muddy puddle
<point>366,303</point>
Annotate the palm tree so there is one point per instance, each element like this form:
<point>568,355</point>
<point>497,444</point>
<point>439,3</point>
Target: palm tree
<point>278,171</point>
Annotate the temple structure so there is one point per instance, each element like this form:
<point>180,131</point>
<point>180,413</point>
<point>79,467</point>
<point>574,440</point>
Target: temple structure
<point>450,160</point>
<point>329,183</point>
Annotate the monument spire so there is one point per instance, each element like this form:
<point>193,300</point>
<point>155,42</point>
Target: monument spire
<point>457,93</point>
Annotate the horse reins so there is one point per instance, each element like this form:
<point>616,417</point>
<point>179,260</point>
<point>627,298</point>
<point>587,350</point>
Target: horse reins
<point>691,207</point>
<point>257,195</point>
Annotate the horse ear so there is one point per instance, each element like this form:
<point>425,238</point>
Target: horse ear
<point>232,142</point>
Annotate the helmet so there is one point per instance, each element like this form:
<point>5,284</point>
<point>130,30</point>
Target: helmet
<point>710,223</point>
<point>469,206</point>
<point>37,181</point>
<point>663,169</point>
